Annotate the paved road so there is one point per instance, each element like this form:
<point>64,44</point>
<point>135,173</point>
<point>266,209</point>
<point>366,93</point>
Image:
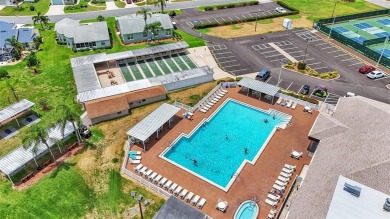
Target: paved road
<point>383,3</point>
<point>117,12</point>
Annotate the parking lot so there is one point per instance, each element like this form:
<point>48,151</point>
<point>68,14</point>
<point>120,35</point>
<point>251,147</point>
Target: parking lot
<point>227,60</point>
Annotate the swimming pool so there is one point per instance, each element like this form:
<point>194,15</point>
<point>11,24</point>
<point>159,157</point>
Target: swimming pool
<point>247,210</point>
<point>218,148</point>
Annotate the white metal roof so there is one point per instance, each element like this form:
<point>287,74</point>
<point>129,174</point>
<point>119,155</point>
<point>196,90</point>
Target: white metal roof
<point>183,75</point>
<point>20,156</point>
<point>86,78</point>
<point>368,205</point>
<point>260,86</point>
<point>15,109</point>
<point>146,127</point>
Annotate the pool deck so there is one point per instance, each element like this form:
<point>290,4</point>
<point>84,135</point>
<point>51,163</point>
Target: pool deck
<point>254,180</point>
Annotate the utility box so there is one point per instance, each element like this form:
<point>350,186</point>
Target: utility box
<point>288,24</point>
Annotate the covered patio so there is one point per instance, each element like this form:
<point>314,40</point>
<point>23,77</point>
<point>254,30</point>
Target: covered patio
<point>258,88</point>
<point>15,110</point>
<point>152,123</point>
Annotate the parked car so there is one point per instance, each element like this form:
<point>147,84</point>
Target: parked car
<point>280,10</point>
<point>321,91</point>
<point>375,74</point>
<point>305,89</point>
<point>366,69</point>
<point>263,74</point>
<point>350,94</point>
<point>84,132</point>
<point>174,25</point>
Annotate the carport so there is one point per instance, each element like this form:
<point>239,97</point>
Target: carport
<point>15,110</point>
<point>259,86</point>
<point>153,123</point>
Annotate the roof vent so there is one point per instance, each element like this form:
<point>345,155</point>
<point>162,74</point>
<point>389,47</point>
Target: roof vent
<point>386,206</point>
<point>354,190</point>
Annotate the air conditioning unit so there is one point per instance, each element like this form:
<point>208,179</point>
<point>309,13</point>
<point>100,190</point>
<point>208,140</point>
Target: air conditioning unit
<point>353,190</point>
<point>386,206</point>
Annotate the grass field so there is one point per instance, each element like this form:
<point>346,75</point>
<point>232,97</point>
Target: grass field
<point>191,40</point>
<point>315,9</point>
<point>41,6</point>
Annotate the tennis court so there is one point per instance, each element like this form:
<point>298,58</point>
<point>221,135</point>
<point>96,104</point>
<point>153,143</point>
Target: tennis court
<point>156,67</point>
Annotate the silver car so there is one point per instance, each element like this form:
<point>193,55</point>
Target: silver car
<point>375,74</point>
<point>280,10</point>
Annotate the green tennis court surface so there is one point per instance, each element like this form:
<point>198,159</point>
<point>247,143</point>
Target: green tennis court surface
<point>180,62</point>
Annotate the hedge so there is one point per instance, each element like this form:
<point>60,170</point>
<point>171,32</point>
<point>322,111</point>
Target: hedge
<point>284,5</point>
<point>224,6</point>
<point>248,19</point>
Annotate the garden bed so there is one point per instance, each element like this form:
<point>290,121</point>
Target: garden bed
<point>224,6</point>
<point>308,71</point>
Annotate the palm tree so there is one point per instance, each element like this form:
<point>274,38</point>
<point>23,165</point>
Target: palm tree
<point>161,3</point>
<point>145,12</point>
<point>45,20</point>
<point>16,45</point>
<point>155,27</point>
<point>32,60</point>
<point>38,19</point>
<point>36,135</point>
<point>68,115</point>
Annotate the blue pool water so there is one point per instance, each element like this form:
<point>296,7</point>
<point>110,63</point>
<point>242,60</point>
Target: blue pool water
<point>247,210</point>
<point>217,157</point>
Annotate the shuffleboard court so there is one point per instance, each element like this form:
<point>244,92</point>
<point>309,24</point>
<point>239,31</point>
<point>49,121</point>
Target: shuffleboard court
<point>136,72</point>
<point>171,64</point>
<point>162,65</point>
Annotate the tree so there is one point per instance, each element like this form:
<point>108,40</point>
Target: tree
<point>145,12</point>
<point>67,115</point>
<point>100,18</point>
<point>38,19</point>
<point>177,36</point>
<point>45,20</point>
<point>16,46</point>
<point>36,135</point>
<point>32,60</point>
<point>155,27</point>
<point>161,3</point>
<point>37,42</point>
<point>4,74</point>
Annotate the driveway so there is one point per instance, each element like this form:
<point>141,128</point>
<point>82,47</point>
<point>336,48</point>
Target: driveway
<point>56,9</point>
<point>111,5</point>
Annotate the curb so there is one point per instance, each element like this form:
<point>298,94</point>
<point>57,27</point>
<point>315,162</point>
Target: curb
<point>310,75</point>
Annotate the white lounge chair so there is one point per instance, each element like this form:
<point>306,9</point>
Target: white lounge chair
<point>213,101</point>
<point>208,104</point>
<point>291,167</point>
<point>272,203</point>
<point>138,168</point>
<point>136,157</point>
<point>280,188</point>
<point>162,182</point>
<point>155,180</point>
<point>172,188</point>
<point>168,184</point>
<point>271,214</point>
<point>135,152</point>
<point>273,197</point>
<point>148,173</point>
<point>283,179</point>
<point>218,95</point>
<point>280,183</point>
<point>152,176</point>
<point>189,196</point>
<point>287,175</point>
<point>135,161</point>
<point>279,100</point>
<point>286,170</point>
<point>203,110</point>
<point>143,170</point>
<point>294,105</point>
<point>289,103</point>
<point>177,190</point>
<point>206,107</point>
<point>201,203</point>
<point>222,90</point>
<point>183,193</point>
<point>296,154</point>
<point>195,200</point>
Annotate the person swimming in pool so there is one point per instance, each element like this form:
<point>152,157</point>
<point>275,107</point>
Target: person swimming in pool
<point>265,120</point>
<point>246,150</point>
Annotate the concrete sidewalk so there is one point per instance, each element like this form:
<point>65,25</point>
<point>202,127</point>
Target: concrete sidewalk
<point>383,3</point>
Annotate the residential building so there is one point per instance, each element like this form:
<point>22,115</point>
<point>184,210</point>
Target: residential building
<point>7,2</point>
<point>82,36</point>
<point>132,27</point>
<point>353,152</point>
<point>24,35</point>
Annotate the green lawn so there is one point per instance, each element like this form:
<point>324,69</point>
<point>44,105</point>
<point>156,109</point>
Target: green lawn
<point>266,21</point>
<point>41,6</point>
<point>316,9</point>
<point>78,9</point>
<point>191,40</point>
<point>120,4</point>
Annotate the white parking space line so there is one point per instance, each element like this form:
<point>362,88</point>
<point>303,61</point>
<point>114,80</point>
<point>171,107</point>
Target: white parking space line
<point>298,56</point>
<point>273,55</point>
<point>230,18</point>
<point>279,82</point>
<point>294,52</point>
<point>243,16</point>
<point>319,68</point>
<point>231,66</point>
<point>221,53</point>
<point>356,64</point>
<point>334,51</point>
<point>327,47</point>
<point>268,79</point>
<point>237,17</point>
<point>244,69</point>
<point>223,19</point>
<point>225,57</point>
<point>300,90</point>
<point>320,44</point>
<point>347,59</point>
<point>216,20</point>
<point>289,86</point>
<point>275,60</point>
<point>208,20</point>
<point>268,52</point>
<point>316,63</point>
<point>341,55</point>
<point>309,59</point>
<point>290,48</point>
<point>228,61</point>
<point>250,15</point>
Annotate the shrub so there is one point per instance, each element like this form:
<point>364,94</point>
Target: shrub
<point>284,5</point>
<point>231,5</point>
<point>4,74</point>
<point>238,78</point>
<point>301,66</point>
<point>115,160</point>
<point>32,8</point>
<point>324,76</point>
<point>313,73</point>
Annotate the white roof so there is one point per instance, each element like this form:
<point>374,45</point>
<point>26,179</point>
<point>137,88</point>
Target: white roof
<point>15,109</point>
<point>368,205</point>
<point>146,127</point>
<point>260,86</point>
<point>20,156</point>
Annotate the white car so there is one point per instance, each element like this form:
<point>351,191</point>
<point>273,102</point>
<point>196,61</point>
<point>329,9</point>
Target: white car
<point>375,74</point>
<point>280,10</point>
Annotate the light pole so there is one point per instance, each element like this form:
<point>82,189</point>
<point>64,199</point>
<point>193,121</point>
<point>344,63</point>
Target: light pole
<point>334,19</point>
<point>139,199</point>
<point>383,50</point>
<point>255,12</point>
<point>308,41</point>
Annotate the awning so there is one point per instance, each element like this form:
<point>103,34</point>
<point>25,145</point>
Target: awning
<point>150,124</point>
<point>259,86</point>
<point>14,109</point>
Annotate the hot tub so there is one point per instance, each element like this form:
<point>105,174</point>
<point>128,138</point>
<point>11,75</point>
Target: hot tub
<point>247,210</point>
